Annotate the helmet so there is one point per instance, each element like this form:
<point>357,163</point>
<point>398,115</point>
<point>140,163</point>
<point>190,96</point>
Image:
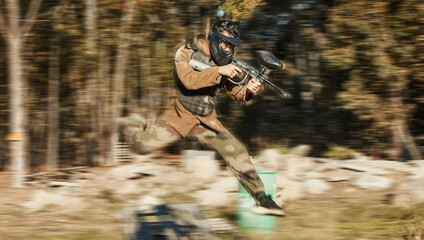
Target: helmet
<point>219,55</point>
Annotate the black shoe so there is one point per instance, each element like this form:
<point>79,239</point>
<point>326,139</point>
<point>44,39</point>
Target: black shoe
<point>266,206</point>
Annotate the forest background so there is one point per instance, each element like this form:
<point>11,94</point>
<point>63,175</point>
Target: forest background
<point>70,68</point>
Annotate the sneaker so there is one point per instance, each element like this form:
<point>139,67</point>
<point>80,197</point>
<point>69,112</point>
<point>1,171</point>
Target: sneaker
<point>266,206</point>
<point>132,121</point>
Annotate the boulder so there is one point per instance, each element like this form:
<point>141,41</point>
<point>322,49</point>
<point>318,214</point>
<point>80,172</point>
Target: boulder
<point>130,171</point>
<point>362,168</point>
<point>147,202</point>
<point>215,198</point>
<point>225,184</point>
<point>316,186</point>
<point>43,199</point>
<point>338,175</point>
<point>288,190</point>
<point>201,163</point>
<point>372,182</point>
<point>298,166</point>
<point>417,172</point>
<point>393,166</point>
<point>301,150</point>
<point>128,187</point>
<point>409,192</point>
<point>269,159</point>
<point>326,165</point>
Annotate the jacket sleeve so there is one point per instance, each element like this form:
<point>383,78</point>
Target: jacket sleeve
<point>239,92</point>
<point>190,78</point>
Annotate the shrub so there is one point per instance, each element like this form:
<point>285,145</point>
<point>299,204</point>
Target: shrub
<point>337,152</point>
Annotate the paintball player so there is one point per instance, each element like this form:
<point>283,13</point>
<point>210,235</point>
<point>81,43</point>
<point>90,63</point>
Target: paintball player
<point>191,112</point>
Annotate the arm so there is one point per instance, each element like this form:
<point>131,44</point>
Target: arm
<point>205,77</point>
<point>190,78</point>
<point>244,93</point>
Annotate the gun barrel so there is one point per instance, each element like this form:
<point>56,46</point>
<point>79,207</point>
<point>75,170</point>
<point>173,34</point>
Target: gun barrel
<point>280,91</point>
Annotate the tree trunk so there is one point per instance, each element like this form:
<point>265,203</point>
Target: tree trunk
<point>15,35</point>
<point>402,137</point>
<point>103,104</point>
<point>17,134</point>
<point>53,104</point>
<point>119,74</point>
<point>91,135</point>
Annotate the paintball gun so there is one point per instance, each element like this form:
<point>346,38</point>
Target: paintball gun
<point>266,60</point>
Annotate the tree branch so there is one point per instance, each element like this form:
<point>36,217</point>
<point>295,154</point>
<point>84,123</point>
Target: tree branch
<point>30,16</point>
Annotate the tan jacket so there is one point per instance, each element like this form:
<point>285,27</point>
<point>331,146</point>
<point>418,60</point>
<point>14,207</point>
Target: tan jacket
<point>175,114</point>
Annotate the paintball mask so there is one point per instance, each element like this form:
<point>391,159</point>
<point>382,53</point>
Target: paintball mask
<point>219,55</point>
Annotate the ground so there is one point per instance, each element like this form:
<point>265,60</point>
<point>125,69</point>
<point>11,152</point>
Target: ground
<point>337,215</point>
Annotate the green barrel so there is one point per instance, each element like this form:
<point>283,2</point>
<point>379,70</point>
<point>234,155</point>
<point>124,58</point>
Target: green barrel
<point>249,221</point>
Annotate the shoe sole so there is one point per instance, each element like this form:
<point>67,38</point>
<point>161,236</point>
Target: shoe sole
<point>267,211</point>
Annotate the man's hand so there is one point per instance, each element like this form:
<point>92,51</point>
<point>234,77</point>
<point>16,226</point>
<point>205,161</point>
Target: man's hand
<point>229,70</point>
<point>253,85</point>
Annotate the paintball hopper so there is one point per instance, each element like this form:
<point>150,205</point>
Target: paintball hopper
<point>268,60</point>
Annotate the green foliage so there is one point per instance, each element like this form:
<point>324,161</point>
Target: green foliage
<point>360,42</point>
<point>339,152</point>
<point>240,9</point>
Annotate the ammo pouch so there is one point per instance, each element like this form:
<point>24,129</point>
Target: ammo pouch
<point>198,105</point>
<point>202,101</point>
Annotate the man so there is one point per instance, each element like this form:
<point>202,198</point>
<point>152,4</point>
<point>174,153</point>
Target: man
<point>191,110</point>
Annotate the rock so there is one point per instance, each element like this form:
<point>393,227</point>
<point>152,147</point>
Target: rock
<point>393,166</point>
<point>301,150</point>
<point>128,187</point>
<point>409,192</point>
<point>360,157</point>
<point>326,166</point>
<point>372,182</point>
<point>316,186</point>
<point>338,175</point>
<point>362,168</point>
<point>57,184</point>
<point>220,193</point>
<point>349,190</point>
<point>290,190</point>
<point>298,166</point>
<point>201,163</point>
<point>128,171</point>
<point>417,172</point>
<point>215,198</point>
<point>269,159</point>
<point>147,202</point>
<point>416,163</point>
<point>226,184</point>
<point>42,199</point>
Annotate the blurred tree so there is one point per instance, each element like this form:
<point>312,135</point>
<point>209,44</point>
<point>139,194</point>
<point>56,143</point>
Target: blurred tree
<point>53,93</point>
<point>407,18</point>
<point>358,43</point>
<point>240,9</point>
<point>15,31</point>
<point>119,71</point>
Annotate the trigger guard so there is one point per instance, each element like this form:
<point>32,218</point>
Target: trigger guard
<point>239,81</point>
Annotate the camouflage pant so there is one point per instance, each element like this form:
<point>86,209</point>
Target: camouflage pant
<point>235,154</point>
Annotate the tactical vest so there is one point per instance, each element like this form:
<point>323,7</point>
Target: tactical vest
<point>200,101</point>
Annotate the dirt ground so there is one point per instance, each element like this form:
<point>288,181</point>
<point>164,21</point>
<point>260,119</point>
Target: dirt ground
<point>338,214</point>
